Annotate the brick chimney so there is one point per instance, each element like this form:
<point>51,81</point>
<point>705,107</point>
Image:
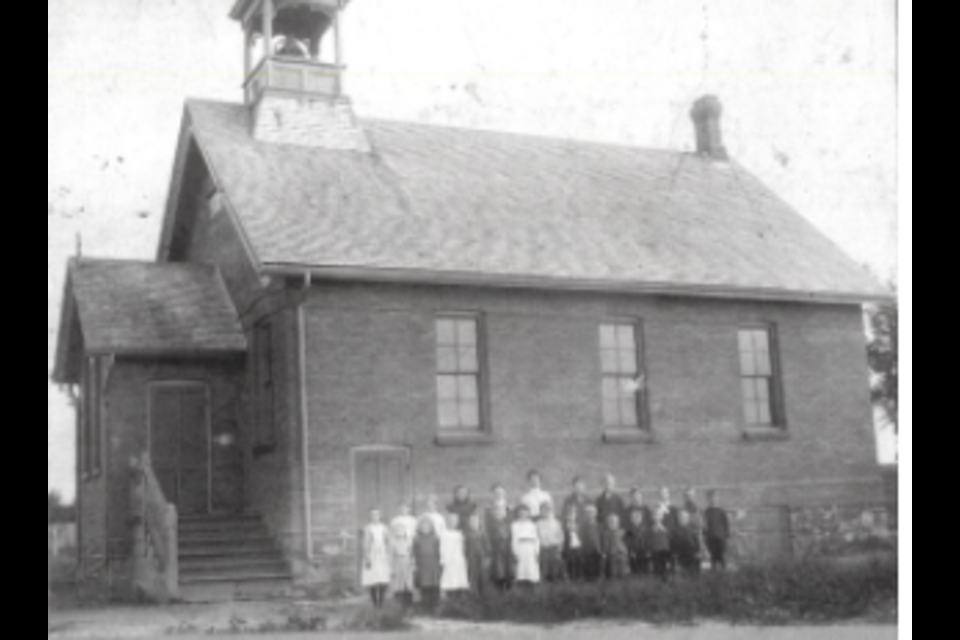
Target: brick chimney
<point>707,114</point>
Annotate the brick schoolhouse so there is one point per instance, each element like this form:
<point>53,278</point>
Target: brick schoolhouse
<point>346,313</point>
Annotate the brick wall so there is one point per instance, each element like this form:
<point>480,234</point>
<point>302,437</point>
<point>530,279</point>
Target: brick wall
<point>371,382</point>
<point>92,501</point>
<point>127,418</point>
<point>273,478</point>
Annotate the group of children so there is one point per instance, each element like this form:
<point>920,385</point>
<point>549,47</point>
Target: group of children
<point>502,546</point>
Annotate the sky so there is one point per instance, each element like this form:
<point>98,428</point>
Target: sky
<point>809,86</point>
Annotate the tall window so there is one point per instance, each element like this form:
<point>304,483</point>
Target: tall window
<point>624,384</point>
<point>265,385</point>
<point>459,373</point>
<point>760,378</point>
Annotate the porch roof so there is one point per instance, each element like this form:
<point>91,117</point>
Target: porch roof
<point>141,309</point>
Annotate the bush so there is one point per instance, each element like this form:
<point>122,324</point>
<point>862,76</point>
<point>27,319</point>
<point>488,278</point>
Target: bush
<point>808,593</point>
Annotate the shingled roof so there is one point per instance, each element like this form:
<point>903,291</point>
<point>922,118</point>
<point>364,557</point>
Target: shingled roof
<point>443,204</point>
<point>134,308</point>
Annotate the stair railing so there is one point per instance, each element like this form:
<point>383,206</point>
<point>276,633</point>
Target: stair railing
<point>156,532</point>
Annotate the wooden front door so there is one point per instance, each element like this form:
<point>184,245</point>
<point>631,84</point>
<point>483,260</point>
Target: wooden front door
<point>181,447</point>
<point>381,481</point>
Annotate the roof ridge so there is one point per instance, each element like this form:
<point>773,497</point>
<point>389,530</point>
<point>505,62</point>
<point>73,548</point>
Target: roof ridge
<point>505,133</point>
<point>523,135</point>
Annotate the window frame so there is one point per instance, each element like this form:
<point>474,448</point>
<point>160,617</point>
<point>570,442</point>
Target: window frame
<point>643,428</point>
<point>777,407</point>
<point>464,435</point>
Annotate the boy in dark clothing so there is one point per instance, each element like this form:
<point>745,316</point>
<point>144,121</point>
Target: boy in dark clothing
<point>637,504</point>
<point>670,515</point>
<point>478,551</point>
<point>660,546</point>
<point>687,545</point>
<point>573,548</point>
<point>717,523</point>
<point>638,540</point>
<point>500,535</point>
<point>613,548</point>
<point>426,557</point>
<point>576,504</point>
<point>463,507</point>
<point>610,503</point>
<point>590,539</point>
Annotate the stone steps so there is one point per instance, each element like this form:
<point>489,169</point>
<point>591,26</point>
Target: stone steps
<point>224,558</point>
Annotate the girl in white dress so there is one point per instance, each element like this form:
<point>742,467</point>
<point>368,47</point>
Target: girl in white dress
<point>526,548</point>
<point>453,558</point>
<point>376,559</point>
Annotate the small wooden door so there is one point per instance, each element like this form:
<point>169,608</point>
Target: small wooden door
<point>180,445</point>
<point>381,481</point>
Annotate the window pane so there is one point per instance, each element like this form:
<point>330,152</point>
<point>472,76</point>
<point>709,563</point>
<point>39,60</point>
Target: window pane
<point>611,412</point>
<point>611,362</point>
<point>469,363</point>
<point>628,362</point>
<point>468,389</point>
<point>626,338</point>
<point>748,364</point>
<point>749,390</point>
<point>447,389</point>
<point>764,364</point>
<point>628,412</point>
<point>467,333</point>
<point>608,337</point>
<point>470,414</point>
<point>752,413</point>
<point>763,391</point>
<point>449,415</point>
<point>447,332</point>
<point>447,360</point>
<point>611,388</point>
<point>765,416</point>
<point>746,342</point>
<point>761,340</point>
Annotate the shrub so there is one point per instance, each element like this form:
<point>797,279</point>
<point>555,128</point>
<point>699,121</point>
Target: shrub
<point>810,593</point>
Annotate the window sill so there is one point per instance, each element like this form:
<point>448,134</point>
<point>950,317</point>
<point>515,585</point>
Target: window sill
<point>628,436</point>
<point>464,439</point>
<point>766,434</point>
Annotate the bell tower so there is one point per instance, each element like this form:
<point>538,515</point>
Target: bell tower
<point>293,61</point>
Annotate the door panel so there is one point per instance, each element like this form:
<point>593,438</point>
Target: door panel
<point>194,452</point>
<point>381,481</point>
<point>165,441</point>
<point>367,485</point>
<point>393,483</point>
<point>180,445</point>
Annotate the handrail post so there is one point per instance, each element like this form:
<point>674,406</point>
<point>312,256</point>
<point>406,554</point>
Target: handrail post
<point>173,551</point>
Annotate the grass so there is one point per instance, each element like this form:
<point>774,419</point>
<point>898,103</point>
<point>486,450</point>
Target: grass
<point>779,595</point>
